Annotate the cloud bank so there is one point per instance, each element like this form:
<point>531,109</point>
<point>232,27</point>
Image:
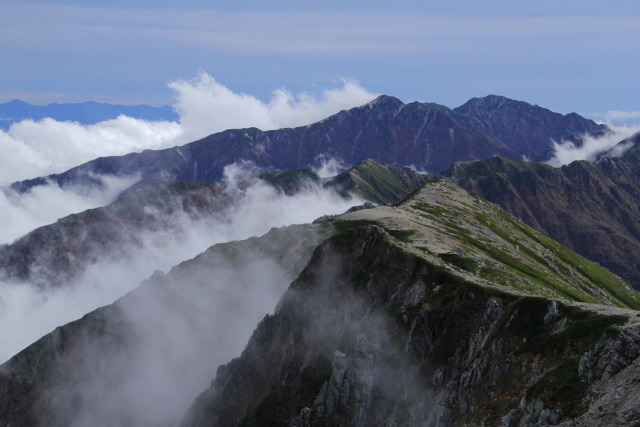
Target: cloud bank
<point>28,312</point>
<point>38,148</point>
<point>206,106</point>
<point>21,213</point>
<point>566,152</point>
<point>32,149</point>
<point>617,117</point>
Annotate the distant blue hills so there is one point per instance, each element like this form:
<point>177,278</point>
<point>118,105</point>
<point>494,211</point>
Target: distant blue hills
<point>84,112</point>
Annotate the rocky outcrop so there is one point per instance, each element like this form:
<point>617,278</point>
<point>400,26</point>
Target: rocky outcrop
<point>348,391</point>
<point>614,352</point>
<point>455,355</point>
<point>441,310</point>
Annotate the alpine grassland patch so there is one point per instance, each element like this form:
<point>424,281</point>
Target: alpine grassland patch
<point>463,262</point>
<point>622,294</point>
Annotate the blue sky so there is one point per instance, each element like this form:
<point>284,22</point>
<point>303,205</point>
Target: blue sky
<point>581,56</point>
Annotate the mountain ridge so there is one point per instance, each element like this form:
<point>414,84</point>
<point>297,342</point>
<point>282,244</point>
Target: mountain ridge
<point>429,137</point>
<point>411,312</point>
<point>88,112</point>
<point>53,254</point>
<point>591,208</point>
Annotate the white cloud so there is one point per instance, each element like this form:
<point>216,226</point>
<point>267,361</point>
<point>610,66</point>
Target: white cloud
<point>38,148</point>
<point>31,149</point>
<point>617,117</point>
<point>328,166</point>
<point>566,152</point>
<point>206,106</point>
<point>26,312</point>
<point>21,213</point>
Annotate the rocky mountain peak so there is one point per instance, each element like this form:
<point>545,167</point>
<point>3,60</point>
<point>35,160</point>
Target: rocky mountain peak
<point>489,102</point>
<point>386,101</point>
<point>427,136</point>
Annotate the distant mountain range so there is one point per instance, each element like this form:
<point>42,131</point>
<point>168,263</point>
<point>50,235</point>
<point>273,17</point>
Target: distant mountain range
<point>426,136</point>
<point>85,112</point>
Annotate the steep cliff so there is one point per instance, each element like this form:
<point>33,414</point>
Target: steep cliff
<point>371,334</point>
<point>143,359</point>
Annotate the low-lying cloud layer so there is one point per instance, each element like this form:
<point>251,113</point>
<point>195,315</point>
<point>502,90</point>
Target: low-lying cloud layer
<point>566,152</point>
<point>21,213</point>
<point>27,312</point>
<point>32,149</point>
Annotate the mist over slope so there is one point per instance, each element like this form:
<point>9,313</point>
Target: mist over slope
<point>142,360</point>
<point>370,335</point>
<point>60,272</point>
<point>405,276</point>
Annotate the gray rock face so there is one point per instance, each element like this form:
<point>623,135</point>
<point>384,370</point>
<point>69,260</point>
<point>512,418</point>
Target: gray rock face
<point>348,390</point>
<point>444,354</point>
<point>614,352</point>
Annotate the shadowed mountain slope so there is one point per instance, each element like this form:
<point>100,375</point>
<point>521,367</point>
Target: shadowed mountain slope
<point>392,323</point>
<point>53,254</point>
<point>143,359</point>
<point>427,136</point>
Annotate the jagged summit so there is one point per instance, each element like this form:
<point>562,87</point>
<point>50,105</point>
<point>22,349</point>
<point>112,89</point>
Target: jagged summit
<point>386,100</point>
<point>484,102</point>
<point>426,136</point>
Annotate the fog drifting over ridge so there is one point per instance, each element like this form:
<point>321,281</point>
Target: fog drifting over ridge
<point>27,313</point>
<point>44,204</point>
<point>566,152</point>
